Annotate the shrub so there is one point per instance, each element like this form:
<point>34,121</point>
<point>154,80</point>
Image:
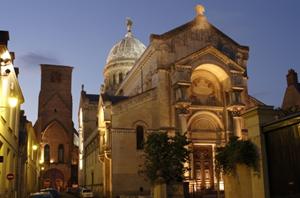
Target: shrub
<point>237,152</point>
<point>165,157</point>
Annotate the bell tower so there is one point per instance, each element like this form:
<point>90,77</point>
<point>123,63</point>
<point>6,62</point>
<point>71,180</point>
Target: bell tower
<point>55,98</point>
<point>55,127</point>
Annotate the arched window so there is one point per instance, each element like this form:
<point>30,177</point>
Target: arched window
<point>61,153</point>
<point>120,77</point>
<point>114,79</point>
<point>47,153</point>
<point>139,137</point>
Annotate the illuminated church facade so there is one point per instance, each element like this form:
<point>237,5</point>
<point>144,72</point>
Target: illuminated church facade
<point>191,79</point>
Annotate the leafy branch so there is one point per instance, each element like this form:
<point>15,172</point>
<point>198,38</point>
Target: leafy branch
<point>237,152</point>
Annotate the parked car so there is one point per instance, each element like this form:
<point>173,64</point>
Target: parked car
<point>86,193</point>
<point>40,195</point>
<point>52,191</point>
<point>74,191</point>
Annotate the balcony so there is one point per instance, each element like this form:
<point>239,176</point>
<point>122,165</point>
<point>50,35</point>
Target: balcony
<point>237,81</point>
<point>235,102</point>
<point>181,76</point>
<point>181,96</point>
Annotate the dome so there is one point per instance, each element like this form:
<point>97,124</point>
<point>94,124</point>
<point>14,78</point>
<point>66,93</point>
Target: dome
<point>129,48</point>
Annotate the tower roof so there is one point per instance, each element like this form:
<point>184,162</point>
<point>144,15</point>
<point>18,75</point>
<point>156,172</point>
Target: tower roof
<point>129,48</point>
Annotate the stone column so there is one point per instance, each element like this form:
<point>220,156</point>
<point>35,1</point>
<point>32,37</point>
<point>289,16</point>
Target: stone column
<point>183,128</point>
<point>237,124</point>
<point>183,122</point>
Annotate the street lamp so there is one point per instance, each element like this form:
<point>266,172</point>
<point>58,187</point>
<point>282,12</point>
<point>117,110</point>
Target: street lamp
<point>5,60</point>
<point>34,147</point>
<point>13,101</point>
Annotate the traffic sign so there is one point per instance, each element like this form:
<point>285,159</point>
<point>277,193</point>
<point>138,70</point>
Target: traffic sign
<point>10,176</point>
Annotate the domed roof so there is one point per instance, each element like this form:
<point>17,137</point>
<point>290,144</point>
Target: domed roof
<point>129,48</point>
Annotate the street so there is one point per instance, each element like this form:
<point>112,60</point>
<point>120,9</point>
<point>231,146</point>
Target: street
<point>67,195</point>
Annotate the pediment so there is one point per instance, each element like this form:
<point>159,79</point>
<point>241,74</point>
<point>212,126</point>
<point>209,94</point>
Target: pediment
<point>210,55</point>
<point>194,36</point>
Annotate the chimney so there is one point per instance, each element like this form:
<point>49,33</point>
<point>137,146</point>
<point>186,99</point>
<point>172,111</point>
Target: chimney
<point>292,77</point>
<point>4,37</point>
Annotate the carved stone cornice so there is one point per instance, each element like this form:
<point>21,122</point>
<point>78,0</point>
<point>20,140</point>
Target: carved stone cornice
<point>101,157</point>
<point>236,109</point>
<point>207,108</point>
<point>183,109</point>
<point>236,112</point>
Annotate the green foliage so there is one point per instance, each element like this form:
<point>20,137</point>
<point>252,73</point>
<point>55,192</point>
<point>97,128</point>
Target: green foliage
<point>164,156</point>
<point>237,152</point>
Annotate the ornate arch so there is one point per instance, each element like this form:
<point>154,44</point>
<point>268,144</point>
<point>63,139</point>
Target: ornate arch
<point>53,174</point>
<point>52,124</point>
<point>141,123</point>
<point>205,120</point>
<point>217,70</point>
<point>140,130</point>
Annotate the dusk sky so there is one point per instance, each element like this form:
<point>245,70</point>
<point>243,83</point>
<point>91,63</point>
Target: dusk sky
<point>81,33</point>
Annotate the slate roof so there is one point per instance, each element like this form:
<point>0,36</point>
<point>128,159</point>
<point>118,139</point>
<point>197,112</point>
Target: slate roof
<point>113,99</point>
<point>93,97</point>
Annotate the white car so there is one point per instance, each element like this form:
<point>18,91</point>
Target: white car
<point>40,195</point>
<point>86,193</point>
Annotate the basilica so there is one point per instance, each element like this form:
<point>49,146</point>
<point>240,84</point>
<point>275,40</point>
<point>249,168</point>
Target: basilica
<point>191,80</point>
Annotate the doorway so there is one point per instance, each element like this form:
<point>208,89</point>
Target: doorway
<point>203,168</point>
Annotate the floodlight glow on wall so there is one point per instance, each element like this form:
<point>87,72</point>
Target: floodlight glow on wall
<point>12,101</point>
<point>5,58</point>
<point>34,147</point>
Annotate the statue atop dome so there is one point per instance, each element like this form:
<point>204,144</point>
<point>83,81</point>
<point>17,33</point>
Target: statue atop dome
<point>129,24</point>
<point>200,9</point>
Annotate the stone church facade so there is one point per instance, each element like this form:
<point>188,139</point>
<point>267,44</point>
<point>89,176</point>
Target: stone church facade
<point>55,128</point>
<point>192,80</point>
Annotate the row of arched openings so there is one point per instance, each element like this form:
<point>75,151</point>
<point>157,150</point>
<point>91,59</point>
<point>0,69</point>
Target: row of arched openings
<point>115,78</point>
<point>60,153</point>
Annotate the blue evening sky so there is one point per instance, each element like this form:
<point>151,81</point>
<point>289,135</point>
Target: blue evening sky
<point>80,33</point>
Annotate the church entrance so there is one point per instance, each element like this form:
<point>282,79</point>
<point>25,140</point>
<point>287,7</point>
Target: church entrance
<point>203,168</point>
<point>53,178</point>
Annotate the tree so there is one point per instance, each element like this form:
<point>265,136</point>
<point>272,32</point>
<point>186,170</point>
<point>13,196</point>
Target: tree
<point>237,152</point>
<point>165,157</point>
